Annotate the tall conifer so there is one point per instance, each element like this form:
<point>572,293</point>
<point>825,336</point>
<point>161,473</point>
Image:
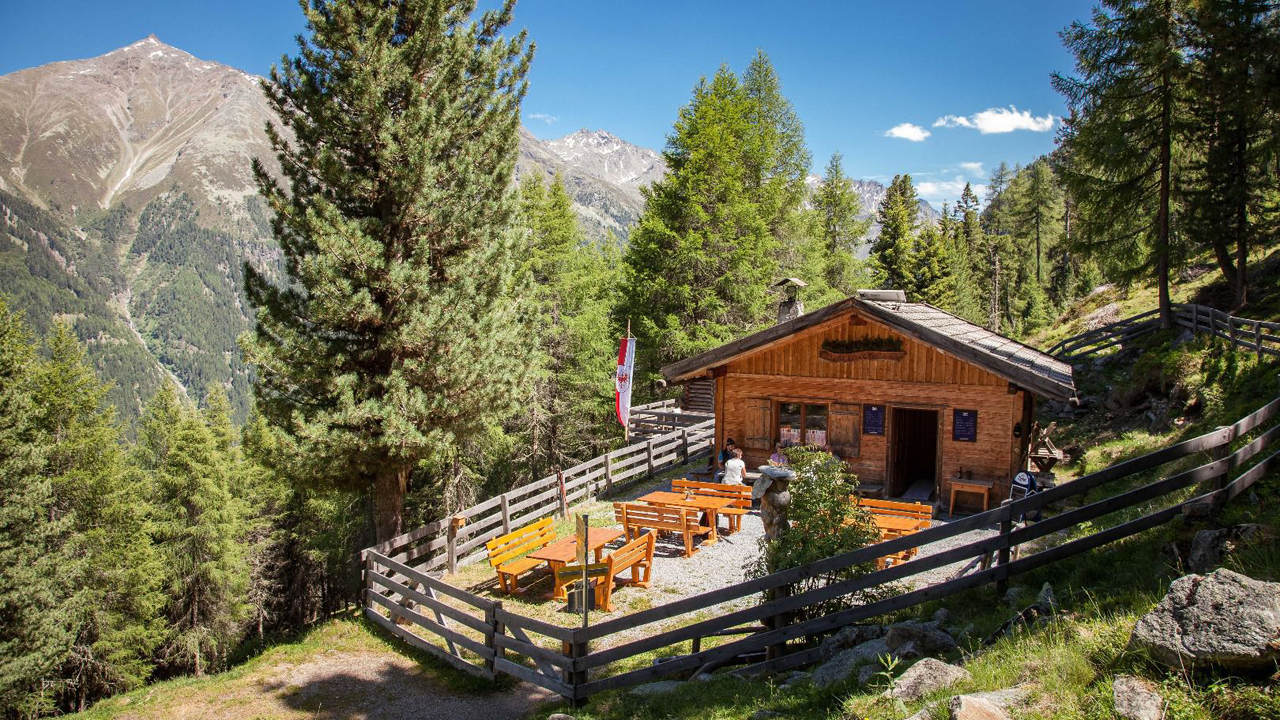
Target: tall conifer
<point>401,331</point>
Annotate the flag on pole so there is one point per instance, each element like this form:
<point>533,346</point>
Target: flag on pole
<point>622,380</point>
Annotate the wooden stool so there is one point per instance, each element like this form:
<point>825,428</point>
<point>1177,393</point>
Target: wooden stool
<point>973,486</point>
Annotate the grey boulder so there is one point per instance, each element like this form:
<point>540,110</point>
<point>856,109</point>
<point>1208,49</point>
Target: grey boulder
<point>656,688</point>
<point>969,707</point>
<point>849,637</point>
<point>1223,618</point>
<point>1136,699</point>
<point>924,677</point>
<point>929,639</point>
<point>840,667</point>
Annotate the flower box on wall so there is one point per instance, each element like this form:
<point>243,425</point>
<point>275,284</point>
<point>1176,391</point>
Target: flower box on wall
<point>893,355</point>
<point>868,349</point>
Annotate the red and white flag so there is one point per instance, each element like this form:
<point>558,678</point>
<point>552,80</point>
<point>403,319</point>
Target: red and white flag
<point>622,380</point>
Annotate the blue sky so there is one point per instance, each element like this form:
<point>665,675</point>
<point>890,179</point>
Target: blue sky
<point>854,70</point>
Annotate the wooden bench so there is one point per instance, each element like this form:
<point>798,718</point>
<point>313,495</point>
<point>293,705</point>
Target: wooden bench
<point>635,518</point>
<point>741,495</point>
<point>920,511</point>
<point>506,552</point>
<point>637,556</point>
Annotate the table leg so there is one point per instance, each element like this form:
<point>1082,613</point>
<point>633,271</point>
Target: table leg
<point>600,554</point>
<point>952,510</point>
<point>713,522</point>
<point>557,591</point>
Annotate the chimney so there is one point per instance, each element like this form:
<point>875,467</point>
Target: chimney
<point>792,306</point>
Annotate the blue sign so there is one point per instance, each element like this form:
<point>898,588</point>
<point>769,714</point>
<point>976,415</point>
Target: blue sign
<point>964,425</point>
<point>872,419</point>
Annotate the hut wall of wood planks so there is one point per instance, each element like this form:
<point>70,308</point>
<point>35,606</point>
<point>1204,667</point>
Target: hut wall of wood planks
<point>919,416</point>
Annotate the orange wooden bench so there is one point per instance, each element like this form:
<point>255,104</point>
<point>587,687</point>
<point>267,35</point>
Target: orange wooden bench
<point>635,518</point>
<point>637,556</point>
<point>911,510</point>
<point>741,495</point>
<point>506,552</point>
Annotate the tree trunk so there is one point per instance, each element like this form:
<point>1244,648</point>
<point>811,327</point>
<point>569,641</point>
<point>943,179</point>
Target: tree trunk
<point>1162,212</point>
<point>388,502</point>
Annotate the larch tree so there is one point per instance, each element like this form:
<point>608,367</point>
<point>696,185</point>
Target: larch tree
<point>839,209</point>
<point>401,329</point>
<point>1128,98</point>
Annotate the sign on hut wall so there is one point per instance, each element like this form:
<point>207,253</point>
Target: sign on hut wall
<point>872,419</point>
<point>964,425</point>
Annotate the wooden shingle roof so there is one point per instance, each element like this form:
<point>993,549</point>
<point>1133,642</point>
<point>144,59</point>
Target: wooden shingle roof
<point>1020,364</point>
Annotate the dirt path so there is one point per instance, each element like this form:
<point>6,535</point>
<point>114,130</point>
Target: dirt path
<point>332,685</point>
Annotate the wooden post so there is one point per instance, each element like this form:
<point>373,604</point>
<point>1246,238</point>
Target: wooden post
<point>455,524</point>
<point>1195,318</point>
<point>608,474</point>
<point>684,445</point>
<point>1257,338</point>
<point>1231,330</point>
<point>777,622</point>
<point>648,448</point>
<point>564,494</point>
<point>1220,452</point>
<point>495,628</point>
<point>506,514</point>
<point>1002,557</point>
<point>574,678</point>
<point>367,572</point>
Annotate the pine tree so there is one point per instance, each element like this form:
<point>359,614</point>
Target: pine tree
<point>1230,41</point>
<point>698,266</point>
<point>1037,211</point>
<point>842,230</point>
<point>402,332</point>
<point>966,255</point>
<point>104,506</point>
<point>893,247</point>
<point>929,269</point>
<point>774,152</point>
<point>1128,102</point>
<point>35,574</point>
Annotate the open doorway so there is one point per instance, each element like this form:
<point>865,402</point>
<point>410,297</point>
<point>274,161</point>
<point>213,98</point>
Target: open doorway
<point>914,453</point>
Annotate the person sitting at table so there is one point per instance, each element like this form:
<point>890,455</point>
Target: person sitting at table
<point>723,457</point>
<point>778,457</point>
<point>735,470</point>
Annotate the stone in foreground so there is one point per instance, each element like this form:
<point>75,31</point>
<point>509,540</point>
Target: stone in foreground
<point>656,688</point>
<point>843,665</point>
<point>968,707</point>
<point>1136,699</point>
<point>1223,618</point>
<point>924,677</point>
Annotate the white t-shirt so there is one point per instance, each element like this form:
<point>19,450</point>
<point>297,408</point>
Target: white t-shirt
<point>733,471</point>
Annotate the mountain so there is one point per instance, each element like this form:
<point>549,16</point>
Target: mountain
<point>127,207</point>
<point>871,194</point>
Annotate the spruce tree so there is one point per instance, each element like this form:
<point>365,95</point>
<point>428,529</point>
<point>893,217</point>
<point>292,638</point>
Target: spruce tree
<point>401,332</point>
<point>842,229</point>
<point>967,257</point>
<point>1128,99</point>
<point>929,270</point>
<point>1037,211</point>
<point>898,217</point>
<point>35,608</point>
<point>774,152</point>
<point>104,505</point>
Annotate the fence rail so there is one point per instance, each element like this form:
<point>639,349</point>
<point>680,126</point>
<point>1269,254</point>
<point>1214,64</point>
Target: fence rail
<point>562,660</point>
<point>1252,335</point>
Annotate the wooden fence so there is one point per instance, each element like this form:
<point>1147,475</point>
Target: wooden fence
<point>664,416</point>
<point>458,540</point>
<point>1252,335</point>
<point>562,660</point>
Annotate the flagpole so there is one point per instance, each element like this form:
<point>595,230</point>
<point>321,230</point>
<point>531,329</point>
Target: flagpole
<point>626,429</point>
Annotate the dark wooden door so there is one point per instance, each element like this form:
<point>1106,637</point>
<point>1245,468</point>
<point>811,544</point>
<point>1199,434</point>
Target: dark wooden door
<point>915,448</point>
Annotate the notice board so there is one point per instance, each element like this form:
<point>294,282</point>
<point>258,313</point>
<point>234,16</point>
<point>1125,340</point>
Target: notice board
<point>964,425</point>
<point>872,419</point>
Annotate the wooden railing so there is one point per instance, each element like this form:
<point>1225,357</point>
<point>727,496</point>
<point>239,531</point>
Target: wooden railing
<point>480,636</point>
<point>664,416</point>
<point>458,540</point>
<point>1252,335</point>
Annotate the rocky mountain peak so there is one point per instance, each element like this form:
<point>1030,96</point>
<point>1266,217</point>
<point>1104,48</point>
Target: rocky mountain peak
<point>607,156</point>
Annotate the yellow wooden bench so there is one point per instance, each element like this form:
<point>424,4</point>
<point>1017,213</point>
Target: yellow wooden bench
<point>506,552</point>
<point>741,495</point>
<point>636,556</point>
<point>635,518</point>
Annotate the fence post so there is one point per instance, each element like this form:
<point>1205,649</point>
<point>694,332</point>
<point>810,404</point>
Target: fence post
<point>494,629</point>
<point>684,445</point>
<point>1220,452</point>
<point>506,514</point>
<point>1257,338</point>
<point>1231,330</point>
<point>451,541</point>
<point>648,448</point>
<point>366,570</point>
<point>608,474</point>
<point>1002,557</point>
<point>1195,318</point>
<point>564,493</point>
<point>573,678</point>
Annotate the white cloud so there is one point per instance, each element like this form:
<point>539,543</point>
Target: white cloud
<point>973,168</point>
<point>548,119</point>
<point>998,120</point>
<point>946,191</point>
<point>907,131</point>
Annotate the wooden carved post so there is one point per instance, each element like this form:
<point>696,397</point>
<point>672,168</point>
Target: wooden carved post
<point>455,524</point>
<point>1002,558</point>
<point>506,514</point>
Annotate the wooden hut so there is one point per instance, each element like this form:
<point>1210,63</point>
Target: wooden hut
<point>911,397</point>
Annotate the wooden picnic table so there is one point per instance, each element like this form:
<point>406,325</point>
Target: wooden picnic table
<point>894,525</point>
<point>709,505</point>
<point>565,550</point>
